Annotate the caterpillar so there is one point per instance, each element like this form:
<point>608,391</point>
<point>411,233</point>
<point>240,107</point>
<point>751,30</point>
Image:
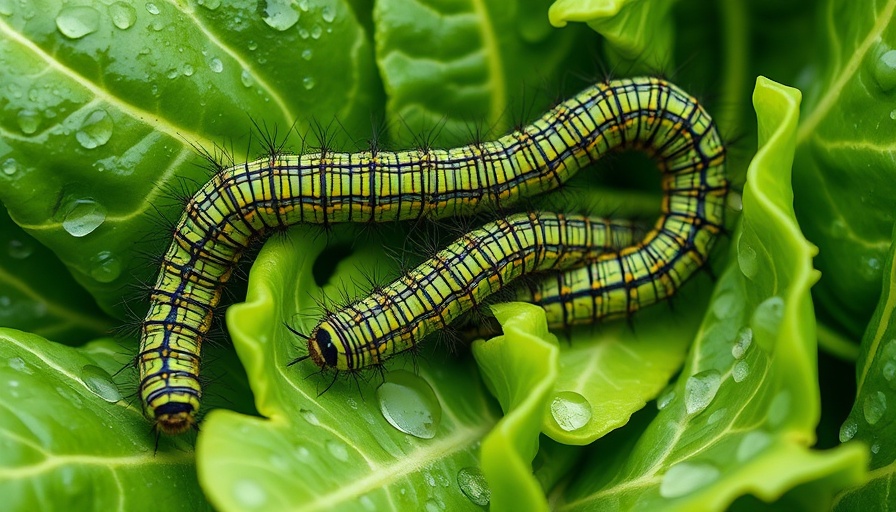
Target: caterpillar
<point>691,157</point>
<point>244,202</point>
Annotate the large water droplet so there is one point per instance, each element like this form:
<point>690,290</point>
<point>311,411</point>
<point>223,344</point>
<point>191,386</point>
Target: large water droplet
<point>100,382</point>
<point>700,389</point>
<point>766,320</point>
<point>216,65</point>
<point>308,82</point>
<point>740,371</point>
<point>10,166</point>
<point>279,15</point>
<point>95,130</point>
<point>570,410</point>
<point>6,7</point>
<point>742,342</point>
<point>874,406</point>
<point>328,13</point>
<point>727,305</point>
<point>848,430</point>
<point>884,70</point>
<point>687,477</point>
<point>83,217</point>
<point>337,449</point>
<point>187,70</point>
<point>152,8</point>
<point>735,201</point>
<point>18,364</point>
<point>246,77</point>
<point>29,121</point>
<point>76,22</point>
<point>123,15</point>
<point>751,444</point>
<point>310,417</point>
<point>409,404</point>
<point>747,259</point>
<point>249,493</point>
<point>105,267</point>
<point>665,398</point>
<point>472,483</point>
<point>19,250</point>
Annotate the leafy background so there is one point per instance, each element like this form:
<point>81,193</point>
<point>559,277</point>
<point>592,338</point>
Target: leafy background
<point>102,106</point>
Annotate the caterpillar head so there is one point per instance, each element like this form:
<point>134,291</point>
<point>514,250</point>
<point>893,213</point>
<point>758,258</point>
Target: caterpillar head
<point>323,350</point>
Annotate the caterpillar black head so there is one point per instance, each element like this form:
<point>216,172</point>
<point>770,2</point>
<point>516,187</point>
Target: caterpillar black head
<point>321,348</point>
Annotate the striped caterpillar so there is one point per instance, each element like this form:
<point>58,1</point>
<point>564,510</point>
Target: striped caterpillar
<point>242,203</point>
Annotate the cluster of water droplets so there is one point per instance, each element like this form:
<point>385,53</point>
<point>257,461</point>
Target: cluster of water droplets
<point>874,406</point>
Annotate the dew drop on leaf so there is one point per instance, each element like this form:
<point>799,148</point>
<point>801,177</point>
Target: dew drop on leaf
<point>307,54</point>
<point>766,320</point>
<point>665,398</point>
<point>18,364</point>
<point>740,371</point>
<point>216,65</point>
<point>10,166</point>
<point>337,449</point>
<point>472,483</point>
<point>123,15</point>
<point>249,494</point>
<point>874,406</point>
<point>246,78</point>
<point>19,250</point>
<point>432,505</point>
<point>746,258</point>
<point>735,201</point>
<point>700,389</point>
<point>316,31</point>
<point>29,121</point>
<point>310,417</point>
<point>570,410</point>
<point>210,4</point>
<point>76,22</point>
<point>751,444</point>
<point>409,404</point>
<point>779,408</point>
<point>742,342</point>
<point>686,477</point>
<point>100,382</point>
<point>105,267</point>
<point>328,13</point>
<point>95,129</point>
<point>884,70</point>
<point>308,82</point>
<point>279,15</point>
<point>152,8</point>
<point>848,430</point>
<point>367,503</point>
<point>83,217</point>
<point>727,305</point>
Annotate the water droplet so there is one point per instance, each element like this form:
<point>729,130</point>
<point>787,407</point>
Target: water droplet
<point>6,8</point>
<point>307,54</point>
<point>874,407</point>
<point>152,8</point>
<point>746,258</point>
<point>884,70</point>
<point>216,65</point>
<point>740,371</point>
<point>105,267</point>
<point>188,70</point>
<point>779,408</point>
<point>735,201</point>
<point>303,33</point>
<point>279,15</point>
<point>727,305</point>
<point>870,267</point>
<point>246,77</point>
<point>328,13</point>
<point>337,449</point>
<point>100,382</point>
<point>252,46</point>
<point>29,121</point>
<point>409,404</point>
<point>123,15</point>
<point>893,114</point>
<point>308,82</point>
<point>77,21</point>
<point>742,342</point>
<point>766,320</point>
<point>172,74</point>
<point>751,444</point>
<point>10,166</point>
<point>303,5</point>
<point>250,494</point>
<point>686,477</point>
<point>18,364</point>
<point>716,416</point>
<point>210,4</point>
<point>875,448</point>
<point>889,370</point>
<point>848,430</point>
<point>367,503</point>
<point>19,250</point>
<point>430,480</point>
<point>316,31</point>
<point>665,398</point>
<point>432,505</point>
<point>310,417</point>
<point>570,410</point>
<point>95,130</point>
<point>472,483</point>
<point>700,389</point>
<point>83,217</point>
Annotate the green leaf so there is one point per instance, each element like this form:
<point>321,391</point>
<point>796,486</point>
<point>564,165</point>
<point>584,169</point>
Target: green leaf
<point>844,175</point>
<point>103,103</point>
<point>39,295</point>
<point>480,66</point>
<point>69,438</point>
<point>746,404</point>
<point>871,420</point>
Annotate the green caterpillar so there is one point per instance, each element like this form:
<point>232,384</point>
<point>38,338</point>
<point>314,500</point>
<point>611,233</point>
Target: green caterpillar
<point>242,203</point>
